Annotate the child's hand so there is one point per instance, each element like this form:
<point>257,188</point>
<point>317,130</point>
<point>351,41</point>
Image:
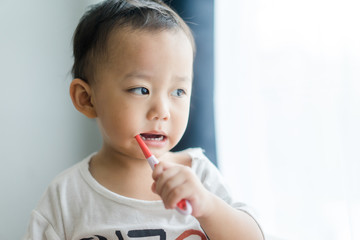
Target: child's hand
<point>174,182</point>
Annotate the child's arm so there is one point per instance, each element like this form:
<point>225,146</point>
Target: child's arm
<point>219,220</point>
<point>225,222</point>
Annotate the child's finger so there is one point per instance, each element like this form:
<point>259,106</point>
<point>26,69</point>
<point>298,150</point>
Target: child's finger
<point>159,168</point>
<point>176,194</point>
<point>167,179</point>
<point>153,187</point>
<point>172,188</point>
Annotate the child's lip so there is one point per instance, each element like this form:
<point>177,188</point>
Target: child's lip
<point>153,133</point>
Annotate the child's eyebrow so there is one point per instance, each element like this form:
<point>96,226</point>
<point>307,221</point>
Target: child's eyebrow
<point>141,75</point>
<point>146,76</point>
<point>182,78</point>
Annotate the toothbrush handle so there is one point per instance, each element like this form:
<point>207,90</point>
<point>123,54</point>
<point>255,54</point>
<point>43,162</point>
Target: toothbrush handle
<point>184,207</point>
<point>152,160</point>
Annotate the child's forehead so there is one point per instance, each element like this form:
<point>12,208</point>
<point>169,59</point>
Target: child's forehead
<point>126,40</point>
<point>139,54</point>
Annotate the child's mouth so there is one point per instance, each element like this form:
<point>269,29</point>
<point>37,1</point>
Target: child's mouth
<point>152,137</point>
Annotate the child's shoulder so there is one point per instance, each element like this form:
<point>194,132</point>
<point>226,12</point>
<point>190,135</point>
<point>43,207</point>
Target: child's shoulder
<point>71,174</point>
<point>192,157</point>
<point>200,164</point>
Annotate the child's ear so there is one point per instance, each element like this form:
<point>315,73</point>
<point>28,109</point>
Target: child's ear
<point>81,96</point>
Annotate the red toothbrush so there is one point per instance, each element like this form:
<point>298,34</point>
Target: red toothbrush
<point>183,207</point>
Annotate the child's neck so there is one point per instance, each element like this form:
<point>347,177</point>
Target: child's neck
<point>118,161</point>
<point>123,175</point>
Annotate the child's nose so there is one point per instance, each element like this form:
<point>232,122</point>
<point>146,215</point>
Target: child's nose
<point>159,110</point>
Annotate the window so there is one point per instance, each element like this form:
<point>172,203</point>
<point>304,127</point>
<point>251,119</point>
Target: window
<point>288,113</point>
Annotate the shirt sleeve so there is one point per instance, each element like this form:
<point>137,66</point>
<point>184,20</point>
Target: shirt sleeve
<point>39,228</point>
<point>211,178</point>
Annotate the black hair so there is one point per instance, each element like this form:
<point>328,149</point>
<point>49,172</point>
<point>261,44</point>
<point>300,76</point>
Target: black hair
<point>91,35</point>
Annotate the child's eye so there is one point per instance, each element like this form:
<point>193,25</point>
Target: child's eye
<point>139,91</point>
<point>178,93</point>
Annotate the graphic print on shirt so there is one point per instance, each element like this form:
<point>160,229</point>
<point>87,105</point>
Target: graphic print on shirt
<point>143,233</point>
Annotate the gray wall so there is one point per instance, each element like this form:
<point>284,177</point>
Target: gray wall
<point>41,133</point>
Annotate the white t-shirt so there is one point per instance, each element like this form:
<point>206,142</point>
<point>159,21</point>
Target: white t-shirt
<point>76,207</point>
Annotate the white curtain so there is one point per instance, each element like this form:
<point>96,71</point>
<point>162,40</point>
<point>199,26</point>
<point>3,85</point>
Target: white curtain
<point>288,113</point>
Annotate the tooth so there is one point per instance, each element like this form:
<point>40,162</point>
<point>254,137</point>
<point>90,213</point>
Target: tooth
<point>160,138</point>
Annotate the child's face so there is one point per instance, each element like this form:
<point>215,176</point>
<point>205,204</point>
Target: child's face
<point>144,86</point>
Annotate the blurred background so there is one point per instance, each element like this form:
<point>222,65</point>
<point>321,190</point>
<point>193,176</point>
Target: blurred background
<point>288,112</point>
<point>277,104</point>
